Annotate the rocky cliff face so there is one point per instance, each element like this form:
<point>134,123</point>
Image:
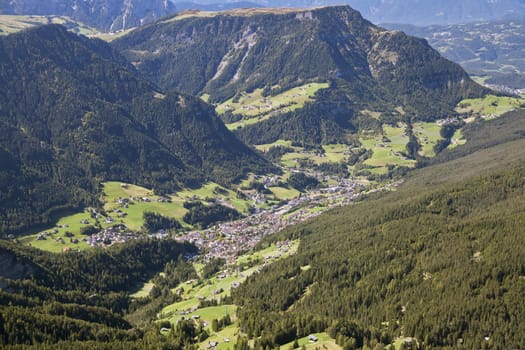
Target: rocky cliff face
<point>107,15</point>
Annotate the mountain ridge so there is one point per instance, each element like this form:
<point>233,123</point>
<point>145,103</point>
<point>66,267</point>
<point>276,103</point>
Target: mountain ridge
<point>225,54</point>
<point>81,114</point>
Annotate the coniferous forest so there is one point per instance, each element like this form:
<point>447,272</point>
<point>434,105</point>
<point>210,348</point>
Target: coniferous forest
<point>438,259</point>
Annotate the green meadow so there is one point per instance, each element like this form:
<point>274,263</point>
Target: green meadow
<point>427,134</point>
<point>457,139</point>
<point>217,287</point>
<point>490,106</point>
<point>323,342</point>
<point>254,107</point>
<point>387,148</point>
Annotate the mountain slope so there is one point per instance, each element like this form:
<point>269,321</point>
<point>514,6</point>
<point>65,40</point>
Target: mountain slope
<point>368,68</point>
<point>107,15</point>
<point>439,259</point>
<point>74,113</point>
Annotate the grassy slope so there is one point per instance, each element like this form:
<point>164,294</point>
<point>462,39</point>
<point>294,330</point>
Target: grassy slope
<point>387,148</point>
<point>255,108</point>
<point>195,290</point>
<point>489,106</point>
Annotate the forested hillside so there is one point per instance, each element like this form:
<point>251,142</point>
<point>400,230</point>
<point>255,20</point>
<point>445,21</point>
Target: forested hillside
<point>78,300</point>
<point>224,55</point>
<point>73,114</point>
<point>440,259</point>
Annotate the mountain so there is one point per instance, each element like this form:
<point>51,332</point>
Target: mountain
<point>368,68</point>
<point>416,12</point>
<point>490,49</point>
<point>439,259</point>
<point>107,15</point>
<point>74,113</point>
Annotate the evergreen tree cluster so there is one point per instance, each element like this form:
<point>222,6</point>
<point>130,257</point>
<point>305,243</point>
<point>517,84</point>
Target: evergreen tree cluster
<point>80,299</point>
<point>440,259</point>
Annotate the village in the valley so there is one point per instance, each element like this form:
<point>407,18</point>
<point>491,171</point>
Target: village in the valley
<point>229,239</point>
<point>226,240</point>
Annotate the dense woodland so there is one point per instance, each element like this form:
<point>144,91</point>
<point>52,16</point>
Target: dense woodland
<point>78,299</point>
<point>440,259</point>
<point>73,113</point>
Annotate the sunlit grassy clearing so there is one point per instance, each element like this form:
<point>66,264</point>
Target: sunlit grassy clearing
<point>387,151</point>
<point>207,314</point>
<point>208,289</point>
<point>254,107</point>
<point>144,291</point>
<point>333,153</point>
<point>267,146</point>
<point>323,342</point>
<point>225,338</point>
<point>52,245</point>
<point>427,134</point>
<point>489,106</point>
<point>285,193</point>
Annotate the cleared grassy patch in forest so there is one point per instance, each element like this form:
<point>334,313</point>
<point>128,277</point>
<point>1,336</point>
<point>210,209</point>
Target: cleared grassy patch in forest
<point>335,153</point>
<point>427,134</point>
<point>388,148</point>
<point>254,107</point>
<point>323,342</point>
<point>225,338</point>
<point>56,240</point>
<point>144,291</point>
<point>220,285</point>
<point>457,139</point>
<point>265,147</point>
<point>490,106</point>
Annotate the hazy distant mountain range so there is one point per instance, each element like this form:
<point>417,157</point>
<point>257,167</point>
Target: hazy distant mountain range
<point>108,15</point>
<point>493,50</point>
<point>114,15</point>
<point>418,12</point>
